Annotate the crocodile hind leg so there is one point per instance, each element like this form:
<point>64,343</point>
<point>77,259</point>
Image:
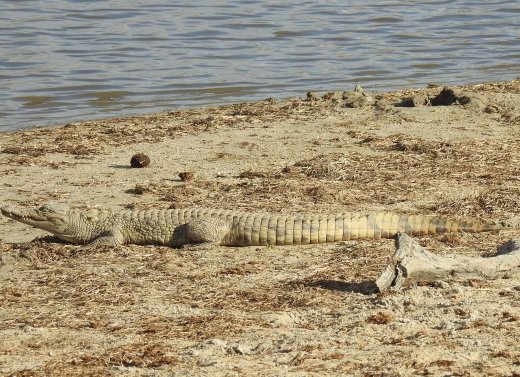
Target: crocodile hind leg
<point>205,233</point>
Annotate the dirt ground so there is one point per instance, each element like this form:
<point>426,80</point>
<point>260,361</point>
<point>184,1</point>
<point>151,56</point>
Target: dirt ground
<point>266,311</point>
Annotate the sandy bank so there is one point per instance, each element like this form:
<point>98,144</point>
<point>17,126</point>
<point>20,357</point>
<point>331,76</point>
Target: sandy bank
<point>276,311</point>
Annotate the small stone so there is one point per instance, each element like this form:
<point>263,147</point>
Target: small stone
<point>186,176</point>
<point>139,160</point>
<point>383,104</point>
<point>446,97</point>
<point>414,101</point>
<point>333,96</point>
<point>311,96</point>
<point>354,99</point>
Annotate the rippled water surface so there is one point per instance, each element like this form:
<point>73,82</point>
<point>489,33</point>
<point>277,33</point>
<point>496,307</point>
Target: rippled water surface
<point>65,60</point>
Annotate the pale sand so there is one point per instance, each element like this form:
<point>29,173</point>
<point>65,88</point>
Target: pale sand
<point>276,311</point>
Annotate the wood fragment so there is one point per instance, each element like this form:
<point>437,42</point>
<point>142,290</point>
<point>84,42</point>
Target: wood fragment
<point>411,263</point>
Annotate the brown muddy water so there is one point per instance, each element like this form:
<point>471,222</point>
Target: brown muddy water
<point>62,60</point>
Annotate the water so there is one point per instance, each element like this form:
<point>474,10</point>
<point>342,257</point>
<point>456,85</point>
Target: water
<point>66,60</point>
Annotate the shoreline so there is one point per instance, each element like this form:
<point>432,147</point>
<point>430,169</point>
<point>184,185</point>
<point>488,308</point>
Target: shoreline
<point>399,91</point>
<point>226,311</point>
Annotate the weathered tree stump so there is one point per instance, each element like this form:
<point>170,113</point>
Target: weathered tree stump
<point>411,263</point>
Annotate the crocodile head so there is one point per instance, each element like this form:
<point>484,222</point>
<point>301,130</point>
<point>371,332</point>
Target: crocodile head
<point>50,217</point>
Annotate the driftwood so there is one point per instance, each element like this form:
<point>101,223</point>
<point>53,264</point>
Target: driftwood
<point>411,263</point>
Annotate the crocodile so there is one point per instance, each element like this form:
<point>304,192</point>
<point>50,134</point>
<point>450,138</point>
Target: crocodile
<point>204,227</point>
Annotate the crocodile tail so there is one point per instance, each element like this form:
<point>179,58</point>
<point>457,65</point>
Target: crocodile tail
<point>467,225</point>
<point>422,225</point>
<point>387,224</point>
<point>264,229</point>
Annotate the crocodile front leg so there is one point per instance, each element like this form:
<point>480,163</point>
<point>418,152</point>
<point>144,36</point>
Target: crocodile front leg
<point>111,238</point>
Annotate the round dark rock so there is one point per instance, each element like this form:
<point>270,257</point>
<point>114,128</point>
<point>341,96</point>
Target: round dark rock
<point>140,160</point>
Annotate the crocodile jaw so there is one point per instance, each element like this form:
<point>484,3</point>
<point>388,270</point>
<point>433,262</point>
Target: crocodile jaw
<point>51,219</point>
